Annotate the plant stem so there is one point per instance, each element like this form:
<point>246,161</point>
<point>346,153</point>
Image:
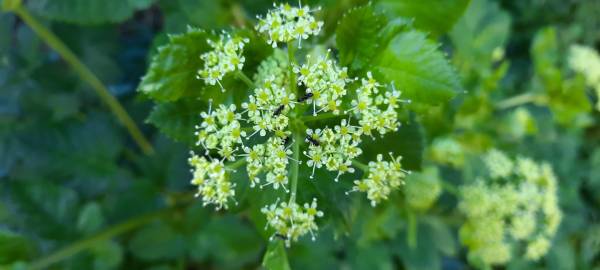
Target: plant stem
<point>412,229</point>
<point>86,243</point>
<point>519,100</point>
<point>291,63</point>
<point>295,166</point>
<point>86,75</point>
<point>322,116</point>
<point>361,166</point>
<point>245,79</point>
<point>236,164</point>
<point>450,188</point>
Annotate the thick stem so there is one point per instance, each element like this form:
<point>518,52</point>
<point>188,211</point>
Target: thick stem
<point>86,75</point>
<point>291,63</point>
<point>295,166</point>
<point>86,243</point>
<point>245,79</point>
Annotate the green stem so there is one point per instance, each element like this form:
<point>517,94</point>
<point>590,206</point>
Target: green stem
<point>236,164</point>
<point>86,75</point>
<point>291,63</point>
<point>450,188</point>
<point>86,243</point>
<point>361,166</point>
<point>412,229</point>
<point>295,167</point>
<point>322,116</point>
<point>519,100</point>
<point>245,79</point>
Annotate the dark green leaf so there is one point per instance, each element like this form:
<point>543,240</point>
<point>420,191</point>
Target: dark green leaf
<point>90,218</point>
<point>177,119</point>
<point>13,247</point>
<point>355,36</point>
<point>89,11</point>
<point>157,241</point>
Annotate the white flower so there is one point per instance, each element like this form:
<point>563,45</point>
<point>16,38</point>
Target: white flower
<point>211,179</point>
<point>383,177</point>
<point>499,165</point>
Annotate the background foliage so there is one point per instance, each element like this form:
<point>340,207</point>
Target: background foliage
<point>76,192</point>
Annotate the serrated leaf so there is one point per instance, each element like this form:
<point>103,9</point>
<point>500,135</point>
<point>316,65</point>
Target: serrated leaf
<point>177,119</point>
<point>173,69</point>
<point>88,11</point>
<point>355,36</point>
<point>418,69</point>
<point>436,17</point>
<point>276,258</point>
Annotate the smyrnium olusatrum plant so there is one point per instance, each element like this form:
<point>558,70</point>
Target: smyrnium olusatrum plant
<point>267,132</point>
<point>274,111</point>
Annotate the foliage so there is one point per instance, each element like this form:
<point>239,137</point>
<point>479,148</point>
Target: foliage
<point>480,75</point>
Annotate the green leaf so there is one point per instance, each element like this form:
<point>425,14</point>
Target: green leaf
<point>90,218</point>
<point>173,69</point>
<point>13,247</point>
<point>355,35</point>
<point>418,68</point>
<point>436,16</point>
<point>157,241</point>
<point>107,255</point>
<point>484,29</point>
<point>276,257</point>
<point>177,119</point>
<point>88,11</point>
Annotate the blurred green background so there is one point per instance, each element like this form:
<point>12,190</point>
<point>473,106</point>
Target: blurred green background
<point>77,193</point>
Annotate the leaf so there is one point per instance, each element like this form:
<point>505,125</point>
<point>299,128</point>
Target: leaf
<point>485,27</point>
<point>355,36</point>
<point>90,218</point>
<point>88,11</point>
<point>177,119</point>
<point>436,16</point>
<point>107,255</point>
<point>173,69</point>
<point>157,241</point>
<point>13,247</point>
<point>276,258</point>
<point>418,69</point>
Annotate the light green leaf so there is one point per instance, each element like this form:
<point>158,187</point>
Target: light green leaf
<point>90,218</point>
<point>173,69</point>
<point>177,119</point>
<point>88,11</point>
<point>436,16</point>
<point>355,36</point>
<point>276,257</point>
<point>418,69</point>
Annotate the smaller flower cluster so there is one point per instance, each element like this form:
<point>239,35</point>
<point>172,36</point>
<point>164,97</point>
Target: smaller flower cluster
<point>382,178</point>
<point>272,158</point>
<point>447,150</point>
<point>325,82</point>
<point>333,148</point>
<point>422,189</point>
<point>220,130</point>
<point>267,109</point>
<point>291,221</point>
<point>286,23</point>
<point>225,56</point>
<point>211,179</point>
<point>371,117</point>
<point>586,61</point>
<point>518,204</point>
<point>274,68</point>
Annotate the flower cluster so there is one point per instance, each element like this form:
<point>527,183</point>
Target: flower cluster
<point>422,188</point>
<point>447,150</point>
<point>271,158</point>
<point>286,23</point>
<point>290,220</point>
<point>518,204</point>
<point>212,182</point>
<point>220,130</point>
<point>333,148</point>
<point>586,61</point>
<point>325,83</point>
<point>383,177</point>
<point>225,56</point>
<point>274,118</point>
<point>367,104</point>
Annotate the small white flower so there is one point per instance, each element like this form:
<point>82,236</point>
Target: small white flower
<point>225,56</point>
